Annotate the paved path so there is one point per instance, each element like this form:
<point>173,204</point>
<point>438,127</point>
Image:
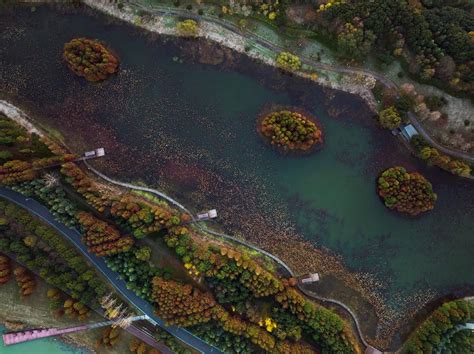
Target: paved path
<point>113,277</point>
<point>183,208</point>
<point>163,11</point>
<point>233,239</point>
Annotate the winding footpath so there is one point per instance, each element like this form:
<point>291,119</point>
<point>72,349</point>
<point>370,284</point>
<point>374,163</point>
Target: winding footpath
<point>119,285</point>
<point>241,242</point>
<point>163,11</point>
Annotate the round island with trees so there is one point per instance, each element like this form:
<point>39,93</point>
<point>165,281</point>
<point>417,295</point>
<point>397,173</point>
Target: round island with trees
<point>409,193</point>
<point>290,131</point>
<point>90,58</point>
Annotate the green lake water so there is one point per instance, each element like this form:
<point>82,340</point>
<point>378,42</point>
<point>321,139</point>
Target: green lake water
<point>190,128</point>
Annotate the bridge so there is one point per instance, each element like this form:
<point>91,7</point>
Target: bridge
<point>32,334</point>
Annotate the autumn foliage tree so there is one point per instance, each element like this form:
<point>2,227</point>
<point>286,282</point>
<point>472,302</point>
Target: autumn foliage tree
<point>75,309</point>
<point>90,59</point>
<point>406,192</point>
<point>101,238</point>
<point>25,280</point>
<point>290,131</point>
<point>109,337</point>
<point>5,269</point>
<point>389,118</point>
<point>139,217</point>
<point>138,347</point>
<point>427,338</point>
<point>324,326</point>
<point>181,304</point>
<point>15,171</point>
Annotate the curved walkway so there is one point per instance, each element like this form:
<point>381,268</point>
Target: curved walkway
<point>158,10</point>
<point>113,277</point>
<point>233,239</point>
<point>183,208</point>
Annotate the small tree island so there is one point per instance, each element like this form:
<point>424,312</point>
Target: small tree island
<point>405,192</point>
<point>290,131</point>
<point>90,59</point>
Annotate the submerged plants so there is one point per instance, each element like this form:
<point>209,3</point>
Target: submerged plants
<point>405,192</point>
<point>90,58</point>
<point>290,131</point>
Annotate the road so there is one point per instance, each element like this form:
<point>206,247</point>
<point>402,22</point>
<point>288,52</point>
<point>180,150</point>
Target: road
<point>163,11</point>
<point>242,242</point>
<point>119,285</point>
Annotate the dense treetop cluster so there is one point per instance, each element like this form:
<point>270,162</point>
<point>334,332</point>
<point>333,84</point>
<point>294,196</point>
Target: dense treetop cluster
<point>89,58</point>
<point>290,131</point>
<point>406,192</point>
<point>439,35</point>
<point>439,326</point>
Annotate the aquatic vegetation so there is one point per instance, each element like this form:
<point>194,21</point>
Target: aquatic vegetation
<point>290,131</point>
<point>405,192</point>
<point>90,58</point>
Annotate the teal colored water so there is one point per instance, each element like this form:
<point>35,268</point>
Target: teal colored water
<point>42,346</point>
<point>190,128</point>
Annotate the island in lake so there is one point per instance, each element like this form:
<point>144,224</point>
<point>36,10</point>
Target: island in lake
<point>236,177</point>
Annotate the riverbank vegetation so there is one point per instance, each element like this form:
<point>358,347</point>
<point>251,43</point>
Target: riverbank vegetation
<point>405,192</point>
<point>288,61</point>
<point>290,131</point>
<point>187,28</point>
<point>436,158</point>
<point>389,118</point>
<point>433,38</point>
<point>90,59</point>
<point>106,218</point>
<point>437,331</point>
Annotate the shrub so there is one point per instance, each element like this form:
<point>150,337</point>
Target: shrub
<point>406,192</point>
<point>290,131</point>
<point>389,118</point>
<point>288,61</point>
<point>5,155</point>
<point>90,59</point>
<point>187,28</point>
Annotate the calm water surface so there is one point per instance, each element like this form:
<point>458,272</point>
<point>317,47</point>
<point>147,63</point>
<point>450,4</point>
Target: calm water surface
<point>191,127</point>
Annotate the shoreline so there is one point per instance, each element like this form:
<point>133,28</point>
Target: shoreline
<point>389,320</point>
<point>253,241</point>
<point>230,40</point>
